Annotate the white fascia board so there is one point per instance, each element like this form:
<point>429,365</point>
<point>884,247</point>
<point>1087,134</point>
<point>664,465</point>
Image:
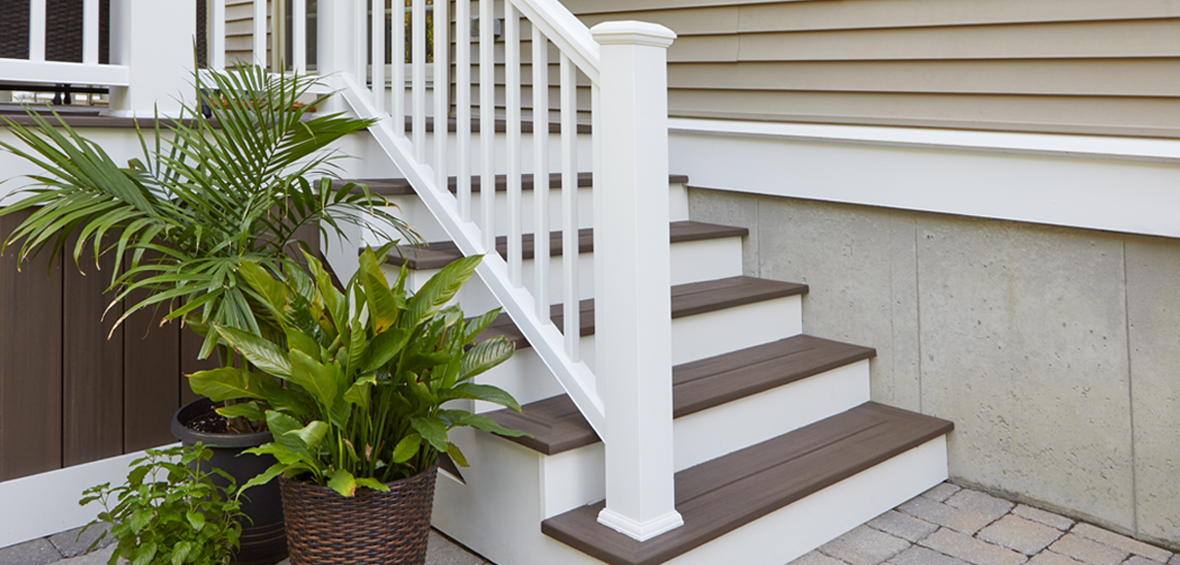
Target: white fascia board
<point>1107,183</point>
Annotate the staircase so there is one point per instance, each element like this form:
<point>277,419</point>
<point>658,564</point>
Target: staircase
<point>678,413</point>
<point>778,447</point>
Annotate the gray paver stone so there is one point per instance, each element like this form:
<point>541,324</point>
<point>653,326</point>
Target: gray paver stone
<point>1047,518</point>
<point>960,520</point>
<point>941,492</point>
<point>970,549</point>
<point>96,557</point>
<point>33,552</point>
<point>864,546</point>
<point>1123,542</point>
<point>1050,558</point>
<point>440,550</point>
<point>1175,559</point>
<point>1089,551</point>
<point>816,558</point>
<point>903,525</point>
<point>1140,560</point>
<point>922,556</point>
<point>1014,532</point>
<point>69,544</point>
<point>980,503</point>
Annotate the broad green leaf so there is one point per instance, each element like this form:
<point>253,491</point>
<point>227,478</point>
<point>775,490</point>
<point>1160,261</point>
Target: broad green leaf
<point>302,342</point>
<point>314,377</point>
<point>484,356</point>
<point>265,476</point>
<point>433,430</point>
<point>196,519</point>
<point>372,483</point>
<point>311,435</point>
<point>360,391</point>
<point>262,353</point>
<point>383,307</point>
<point>487,393</point>
<point>343,482</point>
<point>478,421</point>
<point>456,455</point>
<point>280,425</point>
<point>384,347</point>
<point>440,289</point>
<point>273,291</point>
<point>248,410</point>
<point>226,383</point>
<point>145,553</point>
<point>407,448</point>
<point>477,325</point>
<point>181,551</point>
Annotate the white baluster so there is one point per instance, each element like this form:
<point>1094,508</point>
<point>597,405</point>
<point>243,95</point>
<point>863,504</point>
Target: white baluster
<point>541,172</point>
<point>378,55</point>
<point>569,208</point>
<point>512,102</point>
<point>418,94</point>
<point>463,107</point>
<point>442,84</point>
<point>397,104</point>
<point>90,17</point>
<point>487,122</point>
<point>260,32</point>
<point>37,30</point>
<point>217,35</point>
<point>632,317</point>
<point>299,37</point>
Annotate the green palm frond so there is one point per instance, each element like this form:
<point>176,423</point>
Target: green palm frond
<point>204,195</point>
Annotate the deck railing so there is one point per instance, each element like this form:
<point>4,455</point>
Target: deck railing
<point>627,398</point>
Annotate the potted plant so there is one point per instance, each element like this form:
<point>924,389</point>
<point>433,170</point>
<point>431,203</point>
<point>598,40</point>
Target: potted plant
<point>361,421</point>
<point>178,518</point>
<point>206,195</point>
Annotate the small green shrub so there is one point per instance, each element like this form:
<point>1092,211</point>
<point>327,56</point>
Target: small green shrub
<point>179,518</point>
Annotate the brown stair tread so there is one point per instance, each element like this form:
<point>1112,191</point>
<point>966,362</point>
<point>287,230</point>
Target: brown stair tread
<point>719,496</point>
<point>437,255</point>
<point>687,299</point>
<point>556,424</point>
<point>401,187</point>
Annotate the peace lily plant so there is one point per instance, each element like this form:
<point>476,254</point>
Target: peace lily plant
<point>206,195</point>
<point>367,371</point>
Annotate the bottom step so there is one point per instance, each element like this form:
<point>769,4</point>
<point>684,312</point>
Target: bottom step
<point>720,496</point>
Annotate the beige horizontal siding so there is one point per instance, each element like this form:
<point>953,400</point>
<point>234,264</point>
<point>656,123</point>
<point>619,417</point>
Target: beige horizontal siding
<point>1062,66</point>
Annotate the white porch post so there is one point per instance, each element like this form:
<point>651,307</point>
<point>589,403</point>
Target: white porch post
<point>159,57</point>
<point>632,280</point>
<point>337,46</point>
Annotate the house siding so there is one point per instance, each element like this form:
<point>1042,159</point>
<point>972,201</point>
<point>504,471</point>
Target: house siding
<point>1058,66</point>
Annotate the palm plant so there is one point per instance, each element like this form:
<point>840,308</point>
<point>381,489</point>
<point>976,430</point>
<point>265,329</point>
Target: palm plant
<point>208,194</point>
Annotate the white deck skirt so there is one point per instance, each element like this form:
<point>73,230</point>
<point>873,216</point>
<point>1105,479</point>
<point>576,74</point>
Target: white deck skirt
<point>1107,183</point>
<point>47,503</point>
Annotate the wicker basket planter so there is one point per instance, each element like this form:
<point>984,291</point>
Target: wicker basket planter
<point>324,528</point>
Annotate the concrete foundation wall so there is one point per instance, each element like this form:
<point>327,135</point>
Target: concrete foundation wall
<point>1056,351</point>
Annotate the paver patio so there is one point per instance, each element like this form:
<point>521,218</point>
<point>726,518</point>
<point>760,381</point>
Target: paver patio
<point>946,525</point>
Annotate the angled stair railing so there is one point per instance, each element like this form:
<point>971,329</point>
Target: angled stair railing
<point>627,399</point>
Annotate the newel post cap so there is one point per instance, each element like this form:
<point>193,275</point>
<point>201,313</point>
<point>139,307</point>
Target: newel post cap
<point>633,33</point>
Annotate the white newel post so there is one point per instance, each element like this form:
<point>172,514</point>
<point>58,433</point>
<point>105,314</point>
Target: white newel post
<point>337,47</point>
<point>633,318</point>
<point>154,39</point>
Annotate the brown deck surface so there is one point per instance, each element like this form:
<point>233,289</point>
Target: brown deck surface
<point>687,299</point>
<point>438,254</point>
<point>401,187</point>
<point>721,495</point>
<point>556,424</point>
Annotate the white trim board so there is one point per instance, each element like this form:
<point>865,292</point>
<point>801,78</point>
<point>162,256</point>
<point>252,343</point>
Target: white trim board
<point>47,503</point>
<point>1106,183</point>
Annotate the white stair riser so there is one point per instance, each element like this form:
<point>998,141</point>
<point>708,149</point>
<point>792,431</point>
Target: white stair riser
<point>692,261</point>
<point>790,532</point>
<point>715,432</point>
<point>411,209</point>
<point>735,425</point>
<point>693,338</point>
<point>370,161</point>
<point>510,489</point>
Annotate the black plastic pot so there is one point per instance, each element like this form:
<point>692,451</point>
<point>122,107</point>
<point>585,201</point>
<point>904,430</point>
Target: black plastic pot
<point>264,537</point>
